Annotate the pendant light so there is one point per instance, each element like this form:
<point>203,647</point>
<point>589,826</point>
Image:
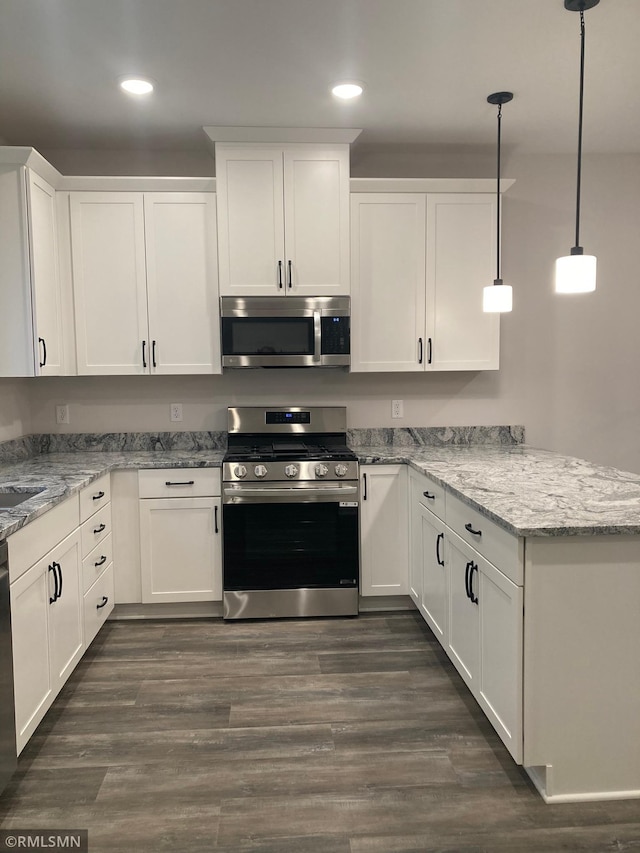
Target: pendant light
<point>576,273</point>
<point>497,298</point>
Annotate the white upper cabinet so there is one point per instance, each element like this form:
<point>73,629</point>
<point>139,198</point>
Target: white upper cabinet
<point>283,219</point>
<point>461,260</point>
<point>387,281</point>
<point>182,285</point>
<point>109,282</point>
<point>419,262</point>
<point>31,320</point>
<point>145,284</point>
<point>43,246</point>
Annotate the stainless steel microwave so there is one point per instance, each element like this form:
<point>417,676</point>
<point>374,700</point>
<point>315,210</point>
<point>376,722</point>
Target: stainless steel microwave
<point>289,331</point>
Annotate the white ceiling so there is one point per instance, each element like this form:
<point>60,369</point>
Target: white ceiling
<point>428,66</point>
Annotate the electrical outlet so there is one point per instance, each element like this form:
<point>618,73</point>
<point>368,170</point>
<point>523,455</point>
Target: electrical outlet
<point>397,408</point>
<point>176,411</point>
<point>62,414</point>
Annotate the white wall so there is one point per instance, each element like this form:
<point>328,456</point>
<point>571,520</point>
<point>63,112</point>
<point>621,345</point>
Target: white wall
<point>162,163</point>
<point>15,408</point>
<point>569,364</point>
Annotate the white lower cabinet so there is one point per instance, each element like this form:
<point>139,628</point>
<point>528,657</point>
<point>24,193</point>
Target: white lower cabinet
<point>433,601</point>
<point>464,614</point>
<point>180,535</point>
<point>61,572</point>
<point>98,603</point>
<point>384,567</point>
<point>485,637</point>
<point>501,661</point>
<point>474,609</point>
<point>47,632</point>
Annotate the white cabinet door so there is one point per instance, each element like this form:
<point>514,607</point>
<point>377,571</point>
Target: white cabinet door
<point>249,189</point>
<point>316,206</point>
<point>501,626</point>
<point>33,679</point>
<point>283,220</point>
<point>180,549</point>
<point>47,632</point>
<point>182,282</point>
<point>109,281</point>
<point>388,282</point>
<point>31,305</point>
<point>433,600</point>
<point>43,243</point>
<point>461,253</point>
<point>415,540</point>
<point>66,614</point>
<point>383,530</point>
<point>462,644</point>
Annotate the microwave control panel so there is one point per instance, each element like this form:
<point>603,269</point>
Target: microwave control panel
<point>335,335</point>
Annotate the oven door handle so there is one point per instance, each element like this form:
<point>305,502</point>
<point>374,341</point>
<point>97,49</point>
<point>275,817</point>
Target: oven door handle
<point>262,492</point>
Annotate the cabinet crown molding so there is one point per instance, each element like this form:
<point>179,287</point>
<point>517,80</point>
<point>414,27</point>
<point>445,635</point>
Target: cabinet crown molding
<point>283,135</point>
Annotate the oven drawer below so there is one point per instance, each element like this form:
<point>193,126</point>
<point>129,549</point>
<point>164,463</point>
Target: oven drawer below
<point>282,603</point>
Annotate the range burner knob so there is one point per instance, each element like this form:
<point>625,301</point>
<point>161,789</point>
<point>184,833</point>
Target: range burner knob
<point>321,470</point>
<point>341,470</point>
<point>291,470</point>
<point>240,471</point>
<point>260,471</point>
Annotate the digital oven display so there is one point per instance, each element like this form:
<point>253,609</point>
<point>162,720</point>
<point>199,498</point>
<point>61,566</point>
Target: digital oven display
<point>288,417</point>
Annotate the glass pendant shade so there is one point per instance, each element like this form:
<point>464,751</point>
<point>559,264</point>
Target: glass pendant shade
<point>497,298</point>
<point>576,274</point>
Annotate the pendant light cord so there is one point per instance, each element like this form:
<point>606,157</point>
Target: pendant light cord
<point>498,197</point>
<point>579,175</point>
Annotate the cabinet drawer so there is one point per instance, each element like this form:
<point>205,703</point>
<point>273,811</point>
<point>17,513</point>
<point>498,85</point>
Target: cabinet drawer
<point>98,604</point>
<point>95,529</point>
<point>95,496</point>
<point>492,541</point>
<point>429,493</point>
<point>30,543</point>
<point>95,563</point>
<point>179,482</point>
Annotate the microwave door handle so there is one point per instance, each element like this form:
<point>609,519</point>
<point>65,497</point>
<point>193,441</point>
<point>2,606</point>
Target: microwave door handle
<point>317,337</point>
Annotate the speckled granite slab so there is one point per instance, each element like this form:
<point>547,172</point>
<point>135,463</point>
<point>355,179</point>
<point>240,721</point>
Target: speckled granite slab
<point>529,492</point>
<point>57,476</point>
<point>131,441</point>
<point>436,436</point>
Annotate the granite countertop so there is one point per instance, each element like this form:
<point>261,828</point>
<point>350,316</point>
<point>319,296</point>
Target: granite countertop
<point>527,491</point>
<point>57,476</point>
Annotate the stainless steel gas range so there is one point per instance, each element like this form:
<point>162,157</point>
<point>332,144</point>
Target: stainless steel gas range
<point>290,514</point>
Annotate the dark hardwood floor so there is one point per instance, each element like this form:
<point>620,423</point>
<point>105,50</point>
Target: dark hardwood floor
<point>302,736</point>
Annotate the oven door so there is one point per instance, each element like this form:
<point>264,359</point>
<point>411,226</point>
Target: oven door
<point>287,536</point>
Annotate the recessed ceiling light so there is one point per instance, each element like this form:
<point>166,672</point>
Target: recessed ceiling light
<point>136,85</point>
<point>346,91</point>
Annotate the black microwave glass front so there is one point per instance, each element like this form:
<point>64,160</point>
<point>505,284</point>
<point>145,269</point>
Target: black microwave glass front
<point>285,332</point>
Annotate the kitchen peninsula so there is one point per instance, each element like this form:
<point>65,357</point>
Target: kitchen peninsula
<point>538,595</point>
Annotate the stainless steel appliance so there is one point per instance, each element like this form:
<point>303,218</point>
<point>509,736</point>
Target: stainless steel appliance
<point>8,759</point>
<point>290,514</point>
<point>291,331</point>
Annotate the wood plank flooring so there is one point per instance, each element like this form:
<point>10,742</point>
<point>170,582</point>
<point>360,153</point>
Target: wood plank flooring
<point>293,736</point>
